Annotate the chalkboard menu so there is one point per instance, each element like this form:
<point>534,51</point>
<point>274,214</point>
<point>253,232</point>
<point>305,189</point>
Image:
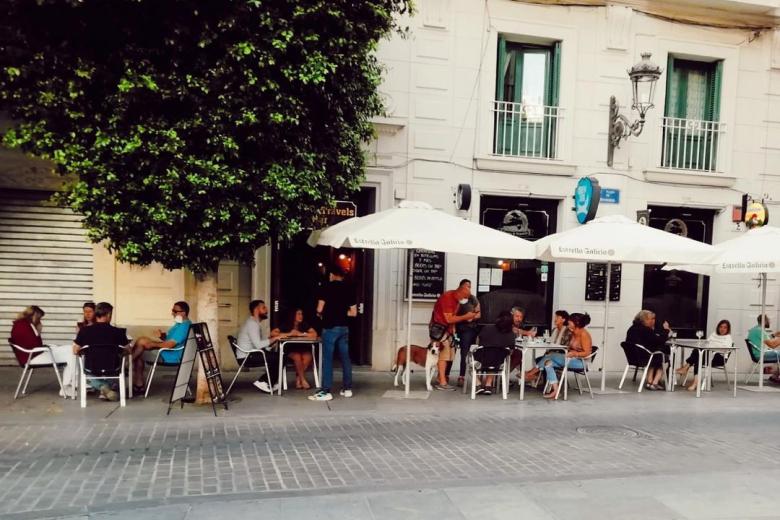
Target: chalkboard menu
<point>428,275</point>
<point>596,282</point>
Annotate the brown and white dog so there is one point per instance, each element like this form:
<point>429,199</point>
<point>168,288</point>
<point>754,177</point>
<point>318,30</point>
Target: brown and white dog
<point>424,357</point>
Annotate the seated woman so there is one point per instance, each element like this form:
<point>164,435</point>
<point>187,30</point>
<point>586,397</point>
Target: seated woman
<point>642,332</point>
<point>560,334</point>
<point>26,333</point>
<point>721,337</point>
<point>580,346</point>
<point>295,327</point>
<point>494,336</point>
<point>88,310</point>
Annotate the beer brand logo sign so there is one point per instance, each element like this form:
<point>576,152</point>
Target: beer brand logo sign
<point>756,215</point>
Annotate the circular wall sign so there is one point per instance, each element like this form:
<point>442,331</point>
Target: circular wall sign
<point>463,200</point>
<point>756,215</point>
<point>586,199</point>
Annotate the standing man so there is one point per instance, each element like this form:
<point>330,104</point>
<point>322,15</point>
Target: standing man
<point>252,337</point>
<point>442,326</point>
<point>336,303</point>
<point>467,330</point>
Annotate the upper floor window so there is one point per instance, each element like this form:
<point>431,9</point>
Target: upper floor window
<point>526,109</point>
<point>691,125</point>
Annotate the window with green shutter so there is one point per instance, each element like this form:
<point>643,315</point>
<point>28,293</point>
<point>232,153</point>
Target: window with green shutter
<point>527,92</point>
<point>691,126</point>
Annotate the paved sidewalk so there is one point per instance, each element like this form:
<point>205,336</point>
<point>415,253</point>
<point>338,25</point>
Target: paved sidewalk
<point>627,456</point>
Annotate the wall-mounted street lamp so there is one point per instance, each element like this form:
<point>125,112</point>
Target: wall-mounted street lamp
<point>644,76</point>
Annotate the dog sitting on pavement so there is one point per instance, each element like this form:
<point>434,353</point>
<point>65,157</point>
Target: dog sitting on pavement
<point>422,356</point>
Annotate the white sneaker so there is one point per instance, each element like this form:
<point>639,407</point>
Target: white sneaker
<point>345,393</point>
<point>263,386</point>
<point>321,396</point>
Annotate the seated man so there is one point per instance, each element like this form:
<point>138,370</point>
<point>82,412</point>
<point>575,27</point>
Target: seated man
<point>252,337</point>
<point>101,333</point>
<point>174,338</point>
<point>771,342</point>
<point>518,318</point>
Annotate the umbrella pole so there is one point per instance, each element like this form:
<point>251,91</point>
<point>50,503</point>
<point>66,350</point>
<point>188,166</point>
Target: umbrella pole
<point>409,326</point>
<point>606,328</point>
<point>763,330</point>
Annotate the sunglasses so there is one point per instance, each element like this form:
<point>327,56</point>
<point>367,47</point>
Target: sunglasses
<point>176,311</point>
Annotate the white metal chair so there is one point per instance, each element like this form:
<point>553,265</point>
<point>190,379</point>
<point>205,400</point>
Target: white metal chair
<point>567,369</point>
<point>102,362</point>
<point>635,359</point>
<point>159,361</point>
<point>757,361</point>
<point>38,357</point>
<point>708,366</point>
<point>249,360</point>
<point>475,368</point>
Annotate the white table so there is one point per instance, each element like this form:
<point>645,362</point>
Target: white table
<point>706,348</point>
<point>532,346</point>
<point>299,341</point>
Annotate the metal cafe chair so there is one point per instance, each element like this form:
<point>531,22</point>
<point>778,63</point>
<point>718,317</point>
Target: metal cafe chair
<point>102,362</point>
<point>159,361</point>
<point>639,358</point>
<point>252,359</point>
<point>36,358</point>
<point>476,368</point>
<point>757,362</point>
<point>567,369</point>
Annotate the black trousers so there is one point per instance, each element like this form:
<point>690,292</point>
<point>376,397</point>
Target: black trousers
<point>273,367</point>
<point>693,360</point>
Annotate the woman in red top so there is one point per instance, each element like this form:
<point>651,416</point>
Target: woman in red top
<point>26,331</point>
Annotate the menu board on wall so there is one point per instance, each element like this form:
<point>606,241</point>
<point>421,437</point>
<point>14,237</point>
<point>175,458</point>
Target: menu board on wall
<point>428,275</point>
<point>596,282</point>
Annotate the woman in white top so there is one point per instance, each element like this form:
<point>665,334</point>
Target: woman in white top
<point>721,337</point>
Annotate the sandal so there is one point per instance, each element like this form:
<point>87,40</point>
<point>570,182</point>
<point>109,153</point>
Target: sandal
<point>549,395</point>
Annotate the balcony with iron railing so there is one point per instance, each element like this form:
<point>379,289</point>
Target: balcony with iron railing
<point>523,130</point>
<point>692,144</point>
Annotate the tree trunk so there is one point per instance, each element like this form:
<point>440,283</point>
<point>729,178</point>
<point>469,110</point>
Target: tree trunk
<point>207,308</point>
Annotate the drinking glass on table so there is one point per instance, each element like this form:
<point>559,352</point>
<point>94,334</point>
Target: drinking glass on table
<point>533,332</point>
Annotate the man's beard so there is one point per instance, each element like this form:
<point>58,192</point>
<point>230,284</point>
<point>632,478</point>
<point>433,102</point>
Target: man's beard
<point>263,316</point>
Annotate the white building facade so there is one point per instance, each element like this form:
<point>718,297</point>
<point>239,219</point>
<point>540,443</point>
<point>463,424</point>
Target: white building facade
<point>512,99</point>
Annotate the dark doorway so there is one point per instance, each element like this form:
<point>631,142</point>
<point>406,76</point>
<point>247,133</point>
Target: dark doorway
<point>298,271</point>
<point>521,283</point>
<point>679,297</point>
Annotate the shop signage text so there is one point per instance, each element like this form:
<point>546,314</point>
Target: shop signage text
<point>610,196</point>
<point>328,216</point>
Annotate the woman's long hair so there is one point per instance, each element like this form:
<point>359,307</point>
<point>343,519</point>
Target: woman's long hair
<point>32,314</point>
<point>504,322</point>
<point>721,322</point>
<point>289,320</point>
<point>579,320</point>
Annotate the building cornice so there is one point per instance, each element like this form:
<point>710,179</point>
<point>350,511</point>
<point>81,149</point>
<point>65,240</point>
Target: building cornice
<point>732,14</point>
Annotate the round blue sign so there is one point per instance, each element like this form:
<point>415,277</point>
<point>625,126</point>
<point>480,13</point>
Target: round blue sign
<point>586,199</point>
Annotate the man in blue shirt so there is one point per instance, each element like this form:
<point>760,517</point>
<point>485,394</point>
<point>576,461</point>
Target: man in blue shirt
<point>771,353</point>
<point>173,339</point>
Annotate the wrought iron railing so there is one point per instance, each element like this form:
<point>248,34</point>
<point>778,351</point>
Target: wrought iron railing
<point>522,130</point>
<point>691,144</point>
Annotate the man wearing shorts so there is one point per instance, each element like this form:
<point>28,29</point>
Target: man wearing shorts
<point>442,327</point>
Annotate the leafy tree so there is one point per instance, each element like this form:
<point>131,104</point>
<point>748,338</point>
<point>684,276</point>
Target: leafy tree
<point>194,131</point>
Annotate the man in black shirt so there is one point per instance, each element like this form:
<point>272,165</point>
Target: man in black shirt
<point>335,305</point>
<point>101,333</point>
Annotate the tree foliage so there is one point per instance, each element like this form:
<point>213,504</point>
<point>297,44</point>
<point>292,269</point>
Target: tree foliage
<point>194,131</point>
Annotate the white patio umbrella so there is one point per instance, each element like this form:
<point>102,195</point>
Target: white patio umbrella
<point>416,225</point>
<point>755,252</point>
<point>617,239</point>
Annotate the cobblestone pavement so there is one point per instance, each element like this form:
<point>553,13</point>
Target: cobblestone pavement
<point>58,459</point>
